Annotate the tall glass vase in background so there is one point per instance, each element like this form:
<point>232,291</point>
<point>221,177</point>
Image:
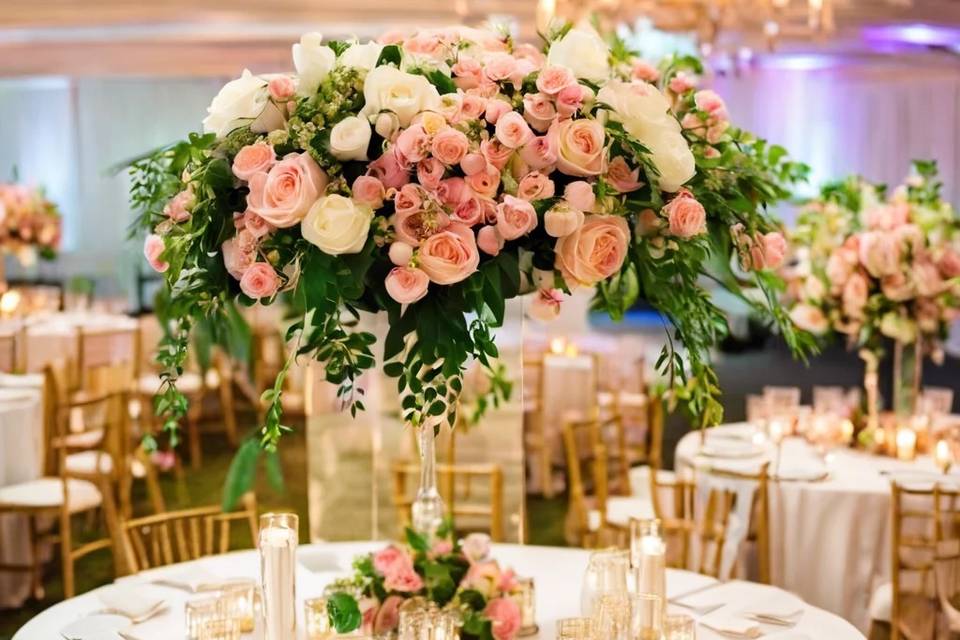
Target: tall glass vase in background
<point>871,387</point>
<point>278,563</point>
<point>427,510</point>
<point>907,373</point>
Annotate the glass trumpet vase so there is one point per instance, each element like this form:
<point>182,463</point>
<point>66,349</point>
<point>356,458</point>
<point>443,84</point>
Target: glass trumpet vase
<point>427,511</point>
<point>907,373</point>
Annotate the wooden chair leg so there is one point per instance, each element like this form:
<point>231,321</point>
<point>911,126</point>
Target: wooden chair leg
<point>229,411</point>
<point>66,552</point>
<point>193,434</point>
<point>112,522</point>
<point>152,480</point>
<point>36,562</point>
<point>546,477</point>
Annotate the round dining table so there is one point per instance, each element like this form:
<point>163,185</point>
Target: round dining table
<point>557,573</point>
<point>830,517</point>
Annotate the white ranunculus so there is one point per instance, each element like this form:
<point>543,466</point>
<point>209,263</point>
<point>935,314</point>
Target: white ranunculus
<point>645,115</point>
<point>584,52</point>
<point>350,138</point>
<point>313,61</point>
<point>362,56</point>
<point>337,225</point>
<point>405,94</point>
<point>239,102</point>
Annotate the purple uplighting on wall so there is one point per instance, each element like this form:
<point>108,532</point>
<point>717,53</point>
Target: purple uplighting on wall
<point>916,34</point>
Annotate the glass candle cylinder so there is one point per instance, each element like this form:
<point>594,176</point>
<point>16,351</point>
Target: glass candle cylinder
<point>316,618</point>
<point>906,443</point>
<point>237,598</point>
<point>648,552</point>
<point>943,456</point>
<point>198,612</point>
<point>278,562</point>
<point>646,617</point>
<point>606,574</point>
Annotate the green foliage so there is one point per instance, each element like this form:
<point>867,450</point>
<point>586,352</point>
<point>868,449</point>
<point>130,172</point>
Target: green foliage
<point>344,612</point>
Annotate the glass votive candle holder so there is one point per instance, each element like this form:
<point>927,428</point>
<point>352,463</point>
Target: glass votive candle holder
<point>200,611</point>
<point>238,599</point>
<point>223,629</point>
<point>526,598</point>
<point>679,627</point>
<point>575,629</point>
<point>646,617</point>
<point>316,619</point>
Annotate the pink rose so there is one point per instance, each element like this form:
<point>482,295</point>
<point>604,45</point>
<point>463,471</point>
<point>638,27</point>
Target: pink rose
<point>237,259</point>
<point>257,226</point>
<point>950,264</point>
<point>489,240</point>
<point>484,184</point>
<point>495,109</point>
<point>579,146</point>
<point>451,255</point>
<point>643,70</point>
<point>441,548</point>
<point>927,278</point>
<point>413,143</point>
<point>469,212</point>
<point>389,559</point>
<point>896,286</point>
<point>368,613</point>
<point>539,153</point>
<point>252,159</point>
<point>177,209</point>
<point>500,67</point>
<point>545,305</point>
<point>682,82</point>
<point>553,79</point>
<point>413,226</point>
<point>686,217</point>
<point>406,285</point>
<point>504,613</point>
<point>621,177</point>
<point>879,253</point>
<point>595,251</point>
<point>471,107</point>
<point>400,253</point>
<point>496,153</point>
<point>580,195</point>
<point>887,216</point>
<point>774,249</point>
<point>562,220</point>
<point>709,101</point>
<point>429,172</point>
<point>404,580</point>
<point>508,579</point>
<point>281,88</point>
<point>467,73</point>
<point>855,293</point>
<point>449,146</point>
<point>390,170</point>
<point>283,195</point>
<point>409,199</point>
<point>476,547</point>
<point>515,218</point>
<point>569,101</point>
<point>369,191</point>
<point>388,616</point>
<point>513,131</point>
<point>259,281</point>
<point>649,223</point>
<point>152,248</point>
<point>473,163</point>
<point>453,191</point>
<point>535,186</point>
<point>840,265</point>
<point>809,318</point>
<point>538,111</point>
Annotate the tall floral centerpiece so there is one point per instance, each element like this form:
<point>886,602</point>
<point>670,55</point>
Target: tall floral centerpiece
<point>435,175</point>
<point>29,224</point>
<point>875,267</point>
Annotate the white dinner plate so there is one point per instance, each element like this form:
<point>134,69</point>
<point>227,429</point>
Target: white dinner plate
<point>96,627</point>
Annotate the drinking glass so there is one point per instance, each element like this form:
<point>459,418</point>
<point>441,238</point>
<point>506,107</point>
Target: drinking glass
<point>575,629</point>
<point>679,627</point>
<point>646,617</point>
<point>606,574</point>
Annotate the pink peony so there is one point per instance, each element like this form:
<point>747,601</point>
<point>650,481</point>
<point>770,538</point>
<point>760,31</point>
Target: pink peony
<point>259,281</point>
<point>413,143</point>
<point>513,131</point>
<point>453,191</point>
<point>579,146</point>
<point>404,580</point>
<point>621,177</point>
<point>545,305</point>
<point>580,195</point>
<point>685,215</point>
<point>283,195</point>
<point>489,240</point>
<point>449,146</point>
<point>369,191</point>
<point>515,218</point>
<point>407,285</point>
<point>152,248</point>
<point>388,168</point>
<point>429,172</point>
<point>595,251</point>
<point>451,255</point>
<point>504,613</point>
<point>252,159</point>
<point>178,208</point>
<point>535,186</point>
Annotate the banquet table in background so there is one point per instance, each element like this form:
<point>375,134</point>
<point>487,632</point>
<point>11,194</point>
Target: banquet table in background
<point>830,537</point>
<point>557,572</point>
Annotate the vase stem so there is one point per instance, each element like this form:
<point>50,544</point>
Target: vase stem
<point>871,383</point>
<point>427,510</point>
<point>907,373</point>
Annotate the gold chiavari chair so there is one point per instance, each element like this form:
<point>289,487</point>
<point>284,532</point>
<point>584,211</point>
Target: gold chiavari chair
<point>60,497</point>
<point>189,534</point>
<point>455,484</point>
<point>947,574</point>
<point>269,356</point>
<point>535,440</point>
<point>758,533</point>
<point>8,352</point>
<point>926,520</point>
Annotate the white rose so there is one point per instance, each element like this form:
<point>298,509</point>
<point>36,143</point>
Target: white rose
<point>362,56</point>
<point>350,138</point>
<point>645,115</point>
<point>313,61</point>
<point>389,89</point>
<point>337,225</point>
<point>239,102</point>
<point>584,52</point>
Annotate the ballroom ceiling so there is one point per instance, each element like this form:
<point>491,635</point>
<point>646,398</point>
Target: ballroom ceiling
<point>218,37</point>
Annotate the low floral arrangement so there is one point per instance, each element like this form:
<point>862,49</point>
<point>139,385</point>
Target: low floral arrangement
<point>458,577</point>
<point>29,223</point>
<point>872,266</point>
<point>435,175</point>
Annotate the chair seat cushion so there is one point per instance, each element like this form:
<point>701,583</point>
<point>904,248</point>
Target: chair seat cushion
<point>86,463</point>
<point>46,493</point>
<point>881,603</point>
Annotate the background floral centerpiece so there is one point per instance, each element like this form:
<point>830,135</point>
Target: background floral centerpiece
<point>458,577</point>
<point>435,175</point>
<point>29,223</point>
<point>875,267</point>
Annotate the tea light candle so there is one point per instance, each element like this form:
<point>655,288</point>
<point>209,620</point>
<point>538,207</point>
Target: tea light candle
<point>777,430</point>
<point>558,345</point>
<point>906,443</point>
<point>943,456</point>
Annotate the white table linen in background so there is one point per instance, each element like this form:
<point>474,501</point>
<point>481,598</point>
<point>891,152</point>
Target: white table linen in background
<point>557,572</point>
<point>54,338</point>
<point>21,459</point>
<point>830,539</point>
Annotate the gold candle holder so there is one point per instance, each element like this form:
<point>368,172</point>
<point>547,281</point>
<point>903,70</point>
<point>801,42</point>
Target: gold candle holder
<point>223,629</point>
<point>428,623</point>
<point>680,627</point>
<point>575,629</point>
<point>316,619</point>
<point>198,612</point>
<point>238,598</point>
<point>526,598</point>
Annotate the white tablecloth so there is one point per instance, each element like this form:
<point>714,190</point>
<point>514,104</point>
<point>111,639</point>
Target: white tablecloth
<point>21,459</point>
<point>55,337</point>
<point>557,572</point>
<point>830,539</point>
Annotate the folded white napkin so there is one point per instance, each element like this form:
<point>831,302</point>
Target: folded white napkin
<point>724,622</point>
<point>778,605</point>
<point>691,582</point>
<point>27,380</point>
<point>730,448</point>
<point>96,627</point>
<point>193,581</point>
<point>131,601</point>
